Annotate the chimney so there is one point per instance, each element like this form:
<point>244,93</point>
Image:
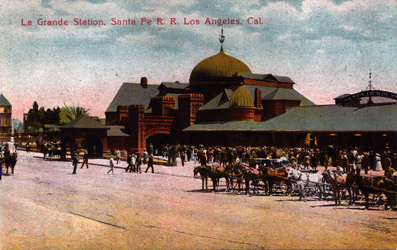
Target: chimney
<point>144,82</point>
<point>258,98</point>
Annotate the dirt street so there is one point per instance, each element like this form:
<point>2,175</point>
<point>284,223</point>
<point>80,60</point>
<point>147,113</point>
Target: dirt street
<point>44,206</point>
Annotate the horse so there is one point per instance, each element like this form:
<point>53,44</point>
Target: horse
<point>204,172</point>
<point>10,162</point>
<point>338,183</point>
<point>237,174</point>
<point>272,176</point>
<point>219,172</point>
<point>304,180</point>
<point>378,184</point>
<point>300,180</point>
<point>249,175</point>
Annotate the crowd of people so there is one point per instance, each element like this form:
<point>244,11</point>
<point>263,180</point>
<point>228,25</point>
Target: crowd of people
<point>346,159</point>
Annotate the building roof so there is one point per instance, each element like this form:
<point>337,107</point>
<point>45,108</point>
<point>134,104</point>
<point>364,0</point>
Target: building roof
<point>173,85</point>
<point>116,131</point>
<point>3,101</point>
<point>222,100</point>
<point>341,96</point>
<point>327,118</point>
<point>85,122</point>
<point>267,77</point>
<point>274,93</point>
<point>216,67</point>
<point>133,94</point>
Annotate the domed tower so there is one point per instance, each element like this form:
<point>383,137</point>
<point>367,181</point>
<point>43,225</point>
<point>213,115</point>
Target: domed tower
<point>213,74</point>
<point>241,98</point>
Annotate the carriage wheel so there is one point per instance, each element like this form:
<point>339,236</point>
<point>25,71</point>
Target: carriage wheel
<point>308,192</point>
<point>378,199</point>
<point>284,189</point>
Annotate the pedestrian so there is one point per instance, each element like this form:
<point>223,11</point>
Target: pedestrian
<point>188,153</point>
<point>359,164</point>
<point>203,160</point>
<point>111,164</point>
<point>378,162</point>
<point>118,156</point>
<point>75,161</point>
<point>85,159</point>
<point>44,150</point>
<point>183,158</point>
<point>133,162</point>
<point>365,163</point>
<point>195,155</point>
<point>345,163</point>
<point>145,155</point>
<point>150,163</point>
<point>138,163</point>
<point>129,162</point>
<point>387,164</point>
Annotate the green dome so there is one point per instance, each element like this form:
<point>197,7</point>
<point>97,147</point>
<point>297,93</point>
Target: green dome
<point>241,98</point>
<point>217,67</point>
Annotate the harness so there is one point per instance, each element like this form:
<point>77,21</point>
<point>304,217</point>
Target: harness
<point>380,189</point>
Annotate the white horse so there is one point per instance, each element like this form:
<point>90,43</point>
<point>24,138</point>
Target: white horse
<point>303,180</point>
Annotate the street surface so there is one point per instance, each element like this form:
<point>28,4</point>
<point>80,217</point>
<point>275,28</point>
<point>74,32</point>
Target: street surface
<point>44,206</point>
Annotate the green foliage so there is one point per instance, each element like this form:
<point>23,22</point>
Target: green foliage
<point>38,116</point>
<point>69,113</point>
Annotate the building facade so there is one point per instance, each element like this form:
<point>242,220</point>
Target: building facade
<point>221,88</point>
<point>5,119</point>
<point>224,103</point>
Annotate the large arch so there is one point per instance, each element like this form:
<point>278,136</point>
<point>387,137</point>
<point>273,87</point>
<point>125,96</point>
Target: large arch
<point>157,141</point>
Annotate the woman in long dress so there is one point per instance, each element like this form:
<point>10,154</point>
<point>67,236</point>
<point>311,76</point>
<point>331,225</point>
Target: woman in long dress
<point>378,162</point>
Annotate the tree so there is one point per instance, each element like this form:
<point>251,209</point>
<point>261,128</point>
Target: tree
<point>69,113</point>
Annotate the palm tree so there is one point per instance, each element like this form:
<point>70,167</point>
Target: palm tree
<point>69,113</point>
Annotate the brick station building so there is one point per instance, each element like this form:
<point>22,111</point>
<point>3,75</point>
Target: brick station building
<point>221,89</point>
<point>224,103</point>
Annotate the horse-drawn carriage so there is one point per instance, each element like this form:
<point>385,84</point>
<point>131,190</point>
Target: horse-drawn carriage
<point>269,172</point>
<point>53,152</point>
<point>274,176</point>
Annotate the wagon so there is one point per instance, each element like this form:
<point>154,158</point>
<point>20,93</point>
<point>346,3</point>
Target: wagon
<point>271,162</point>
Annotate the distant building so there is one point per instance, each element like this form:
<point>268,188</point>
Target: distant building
<point>5,118</point>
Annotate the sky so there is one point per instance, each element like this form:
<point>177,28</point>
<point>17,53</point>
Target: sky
<point>327,47</point>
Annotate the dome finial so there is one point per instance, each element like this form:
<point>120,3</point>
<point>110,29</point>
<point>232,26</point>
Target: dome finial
<point>221,38</point>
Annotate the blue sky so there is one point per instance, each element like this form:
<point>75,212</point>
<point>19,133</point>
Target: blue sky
<point>327,47</point>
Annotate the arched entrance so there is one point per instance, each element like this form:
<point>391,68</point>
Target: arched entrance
<point>158,141</point>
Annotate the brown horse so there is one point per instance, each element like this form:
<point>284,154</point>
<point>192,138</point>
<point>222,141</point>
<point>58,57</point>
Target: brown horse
<point>237,174</point>
<point>249,174</point>
<point>337,181</point>
<point>378,184</point>
<point>272,176</point>
<point>214,172</point>
<point>219,172</point>
<point>205,173</point>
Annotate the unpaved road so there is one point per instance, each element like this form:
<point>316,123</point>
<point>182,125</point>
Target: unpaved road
<point>44,206</point>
